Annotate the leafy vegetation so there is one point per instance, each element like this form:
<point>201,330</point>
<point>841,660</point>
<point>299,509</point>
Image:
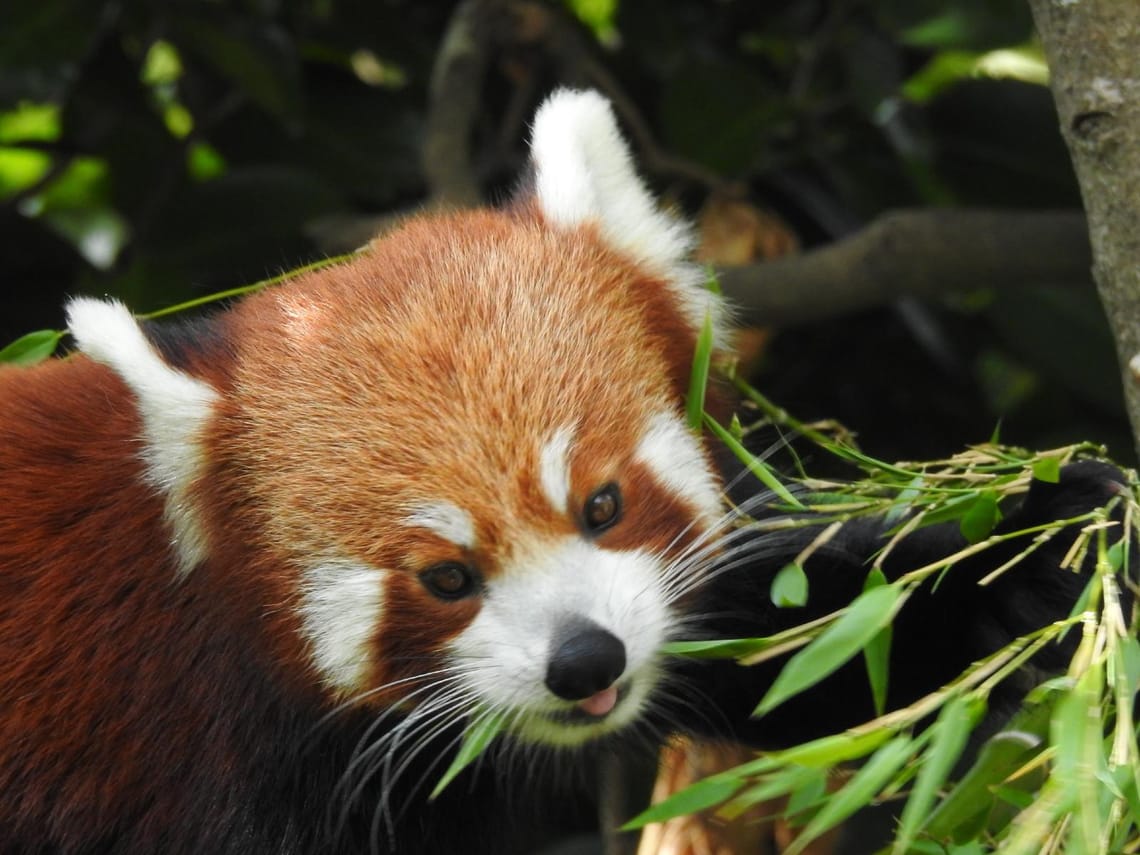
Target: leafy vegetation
<point>1062,776</point>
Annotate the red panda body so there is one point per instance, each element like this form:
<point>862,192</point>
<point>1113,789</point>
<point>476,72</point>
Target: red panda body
<point>258,570</point>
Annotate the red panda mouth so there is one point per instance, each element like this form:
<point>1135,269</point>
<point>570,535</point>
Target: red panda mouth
<point>594,708</point>
<point>601,703</point>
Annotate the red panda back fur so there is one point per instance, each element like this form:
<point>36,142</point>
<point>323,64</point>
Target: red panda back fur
<point>203,617</point>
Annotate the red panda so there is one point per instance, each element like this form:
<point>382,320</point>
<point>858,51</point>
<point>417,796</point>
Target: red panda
<point>256,571</point>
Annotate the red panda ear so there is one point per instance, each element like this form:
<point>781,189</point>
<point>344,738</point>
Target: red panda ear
<point>584,174</point>
<point>174,408</point>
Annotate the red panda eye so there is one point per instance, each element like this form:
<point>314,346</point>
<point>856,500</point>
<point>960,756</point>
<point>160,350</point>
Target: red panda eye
<point>603,508</point>
<point>450,580</point>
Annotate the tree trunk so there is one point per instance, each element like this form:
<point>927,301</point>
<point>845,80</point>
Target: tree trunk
<point>1093,51</point>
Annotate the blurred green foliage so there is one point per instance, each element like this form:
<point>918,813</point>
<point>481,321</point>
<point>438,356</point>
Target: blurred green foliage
<point>159,151</point>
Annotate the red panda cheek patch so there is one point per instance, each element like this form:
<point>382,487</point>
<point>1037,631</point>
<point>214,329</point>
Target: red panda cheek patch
<point>340,606</point>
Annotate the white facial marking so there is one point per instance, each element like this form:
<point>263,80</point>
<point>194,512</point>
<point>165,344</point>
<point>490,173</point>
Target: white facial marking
<point>174,407</point>
<point>445,519</point>
<point>341,604</point>
<point>584,173</point>
<point>503,653</point>
<point>554,469</point>
<point>675,457</point>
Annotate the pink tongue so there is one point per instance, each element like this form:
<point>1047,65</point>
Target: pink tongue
<point>601,703</point>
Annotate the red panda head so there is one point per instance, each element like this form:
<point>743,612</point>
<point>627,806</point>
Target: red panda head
<point>455,468</point>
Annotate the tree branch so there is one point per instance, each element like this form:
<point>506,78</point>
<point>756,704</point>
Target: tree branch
<point>914,252</point>
<point>1091,49</point>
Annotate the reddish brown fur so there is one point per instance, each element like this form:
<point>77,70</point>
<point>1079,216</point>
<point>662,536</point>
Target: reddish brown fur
<point>95,638</point>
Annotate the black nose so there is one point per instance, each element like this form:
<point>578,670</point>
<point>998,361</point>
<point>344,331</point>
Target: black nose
<point>584,661</point>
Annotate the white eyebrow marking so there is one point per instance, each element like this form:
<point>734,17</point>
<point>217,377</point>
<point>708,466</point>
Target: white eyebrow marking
<point>448,520</point>
<point>675,457</point>
<point>554,468</point>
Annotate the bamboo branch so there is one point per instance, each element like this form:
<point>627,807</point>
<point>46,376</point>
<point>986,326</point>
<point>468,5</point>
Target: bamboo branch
<point>914,252</point>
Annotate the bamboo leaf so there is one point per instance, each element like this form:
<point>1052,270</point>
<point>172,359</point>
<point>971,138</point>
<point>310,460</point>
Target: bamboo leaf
<point>858,792</point>
<point>971,799</point>
<point>877,652</point>
<point>727,648</point>
<point>981,517</point>
<point>755,465</point>
<point>31,348</point>
<point>948,739</point>
<point>790,587</point>
<point>699,377</point>
<point>859,623</point>
<point>1047,469</point>
<point>479,734</point>
<point>828,751</point>
<point>773,786</point>
<point>1078,735</point>
<point>699,796</point>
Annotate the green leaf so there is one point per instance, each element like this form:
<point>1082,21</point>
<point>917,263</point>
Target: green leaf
<point>479,734</point>
<point>699,378</point>
<point>1047,469</point>
<point>755,465</point>
<point>773,786</point>
<point>1077,733</point>
<point>790,587</point>
<point>700,796</point>
<point>971,799</point>
<point>828,751</point>
<point>948,739</point>
<point>877,653</point>
<point>858,792</point>
<point>982,516</point>
<point>1130,653</point>
<point>31,348</point>
<point>598,15</point>
<point>862,620</point>
<point>727,648</point>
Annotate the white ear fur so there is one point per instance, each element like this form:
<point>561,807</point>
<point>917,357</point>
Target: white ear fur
<point>173,405</point>
<point>584,173</point>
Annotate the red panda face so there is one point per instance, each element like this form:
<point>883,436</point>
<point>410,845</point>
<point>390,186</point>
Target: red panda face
<point>459,459</point>
<point>486,477</point>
